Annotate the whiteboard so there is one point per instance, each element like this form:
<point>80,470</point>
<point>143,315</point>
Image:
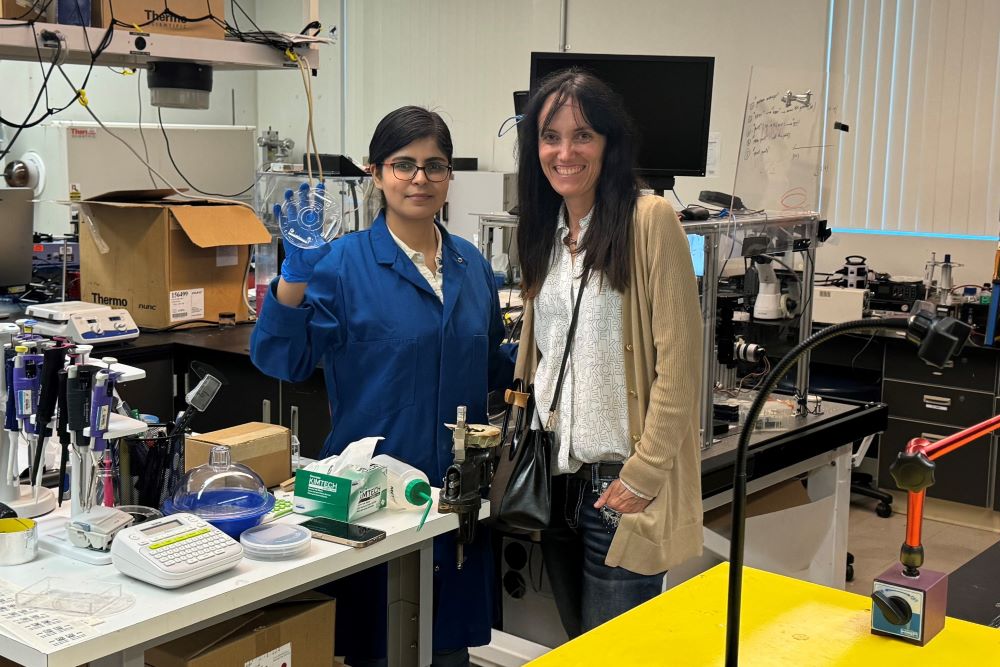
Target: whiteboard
<point>781,149</point>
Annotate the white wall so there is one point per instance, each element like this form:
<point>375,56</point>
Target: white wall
<point>464,58</point>
<point>281,100</point>
<point>907,255</point>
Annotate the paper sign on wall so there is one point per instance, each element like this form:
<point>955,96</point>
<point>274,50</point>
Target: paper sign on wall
<point>187,304</point>
<point>712,159</point>
<point>279,657</point>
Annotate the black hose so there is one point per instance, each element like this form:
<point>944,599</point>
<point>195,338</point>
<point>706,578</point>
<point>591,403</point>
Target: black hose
<point>736,545</point>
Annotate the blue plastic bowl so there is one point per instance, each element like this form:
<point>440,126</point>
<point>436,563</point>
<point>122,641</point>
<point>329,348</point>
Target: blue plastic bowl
<point>247,510</point>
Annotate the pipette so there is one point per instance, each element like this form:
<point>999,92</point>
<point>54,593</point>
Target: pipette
<point>78,384</point>
<point>100,415</point>
<point>26,384</point>
<point>62,429</point>
<point>10,413</point>
<point>53,360</point>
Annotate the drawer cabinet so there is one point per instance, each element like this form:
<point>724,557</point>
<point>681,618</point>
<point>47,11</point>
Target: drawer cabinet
<point>937,405</point>
<point>930,402</point>
<point>965,475</point>
<point>973,369</point>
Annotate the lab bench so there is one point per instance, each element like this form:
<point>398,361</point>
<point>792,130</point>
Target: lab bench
<point>157,615</point>
<point>923,402</point>
<point>784,621</point>
<point>249,395</point>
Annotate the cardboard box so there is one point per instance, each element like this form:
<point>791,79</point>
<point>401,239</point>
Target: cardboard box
<point>20,10</point>
<point>264,448</point>
<point>776,498</point>
<point>166,260</point>
<point>138,12</point>
<point>358,493</point>
<point>297,631</point>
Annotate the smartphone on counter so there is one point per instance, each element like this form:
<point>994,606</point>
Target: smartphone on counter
<point>340,532</point>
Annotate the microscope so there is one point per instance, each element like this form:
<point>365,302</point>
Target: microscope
<point>465,481</point>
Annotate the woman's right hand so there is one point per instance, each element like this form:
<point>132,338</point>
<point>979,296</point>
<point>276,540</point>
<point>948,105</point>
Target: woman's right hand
<point>300,263</point>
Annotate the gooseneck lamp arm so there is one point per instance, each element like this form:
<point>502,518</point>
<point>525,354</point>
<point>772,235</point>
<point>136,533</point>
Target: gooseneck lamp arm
<point>939,339</point>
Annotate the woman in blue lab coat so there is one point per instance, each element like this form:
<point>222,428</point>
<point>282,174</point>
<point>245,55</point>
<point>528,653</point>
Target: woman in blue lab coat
<point>405,319</point>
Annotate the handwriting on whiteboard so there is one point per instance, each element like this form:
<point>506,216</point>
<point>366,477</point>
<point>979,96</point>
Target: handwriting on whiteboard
<point>771,127</point>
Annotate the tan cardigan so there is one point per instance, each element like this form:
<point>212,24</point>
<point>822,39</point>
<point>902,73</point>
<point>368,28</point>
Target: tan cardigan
<point>663,339</point>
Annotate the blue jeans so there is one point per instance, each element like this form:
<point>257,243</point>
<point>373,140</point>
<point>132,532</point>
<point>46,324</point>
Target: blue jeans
<point>588,592</point>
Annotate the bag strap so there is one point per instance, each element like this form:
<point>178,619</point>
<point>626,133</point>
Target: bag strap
<point>569,344</point>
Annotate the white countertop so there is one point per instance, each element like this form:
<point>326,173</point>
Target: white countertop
<point>157,612</point>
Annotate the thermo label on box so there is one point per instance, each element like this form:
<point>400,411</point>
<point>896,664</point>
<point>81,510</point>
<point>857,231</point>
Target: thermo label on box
<point>279,657</point>
<point>187,304</point>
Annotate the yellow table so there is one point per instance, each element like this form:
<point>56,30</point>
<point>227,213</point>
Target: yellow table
<point>784,622</point>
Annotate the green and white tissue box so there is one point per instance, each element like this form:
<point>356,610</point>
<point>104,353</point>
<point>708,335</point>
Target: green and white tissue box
<point>355,493</point>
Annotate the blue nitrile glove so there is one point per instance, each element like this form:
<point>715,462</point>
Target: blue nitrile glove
<point>299,262</point>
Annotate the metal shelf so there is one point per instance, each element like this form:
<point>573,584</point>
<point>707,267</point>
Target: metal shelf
<point>19,44</point>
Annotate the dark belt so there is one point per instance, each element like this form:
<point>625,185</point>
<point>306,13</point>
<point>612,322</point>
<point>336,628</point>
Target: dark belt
<point>603,469</point>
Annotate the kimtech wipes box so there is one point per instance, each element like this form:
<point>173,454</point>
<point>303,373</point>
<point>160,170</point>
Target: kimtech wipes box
<point>357,492</point>
<point>166,260</point>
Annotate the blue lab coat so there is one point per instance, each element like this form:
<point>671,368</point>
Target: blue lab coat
<point>398,363</point>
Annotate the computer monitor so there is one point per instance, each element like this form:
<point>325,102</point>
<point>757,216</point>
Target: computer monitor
<point>696,242</point>
<point>16,217</point>
<point>668,97</point>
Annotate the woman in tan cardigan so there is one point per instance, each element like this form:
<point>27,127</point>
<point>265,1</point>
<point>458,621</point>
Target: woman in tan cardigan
<point>627,486</point>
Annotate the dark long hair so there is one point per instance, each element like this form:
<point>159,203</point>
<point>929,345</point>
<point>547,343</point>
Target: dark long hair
<point>606,242</point>
<point>401,128</point>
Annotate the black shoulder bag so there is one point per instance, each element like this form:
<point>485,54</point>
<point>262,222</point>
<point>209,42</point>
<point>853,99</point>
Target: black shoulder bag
<point>526,503</point>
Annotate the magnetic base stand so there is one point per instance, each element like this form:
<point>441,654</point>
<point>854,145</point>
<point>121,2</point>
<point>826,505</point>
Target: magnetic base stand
<point>25,504</point>
<point>55,540</point>
<point>911,608</point>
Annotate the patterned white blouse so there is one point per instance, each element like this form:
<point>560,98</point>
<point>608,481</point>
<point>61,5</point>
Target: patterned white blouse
<point>593,410</point>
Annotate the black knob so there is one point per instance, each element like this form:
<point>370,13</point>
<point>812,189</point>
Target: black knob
<point>895,609</point>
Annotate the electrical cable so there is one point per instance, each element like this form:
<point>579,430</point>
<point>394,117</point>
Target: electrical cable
<point>185,323</point>
<point>38,98</point>
<point>27,12</point>
<point>142,136</point>
<point>179,192</point>
<point>94,55</point>
<point>251,312</point>
<point>863,348</point>
<point>683,206</point>
<point>166,140</point>
<point>503,126</point>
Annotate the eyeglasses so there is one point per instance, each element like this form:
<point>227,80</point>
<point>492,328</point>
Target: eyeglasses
<point>405,170</point>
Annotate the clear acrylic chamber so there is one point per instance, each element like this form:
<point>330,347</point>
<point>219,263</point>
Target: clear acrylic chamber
<point>347,198</point>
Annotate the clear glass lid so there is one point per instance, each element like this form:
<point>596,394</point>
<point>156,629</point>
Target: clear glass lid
<point>222,489</point>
